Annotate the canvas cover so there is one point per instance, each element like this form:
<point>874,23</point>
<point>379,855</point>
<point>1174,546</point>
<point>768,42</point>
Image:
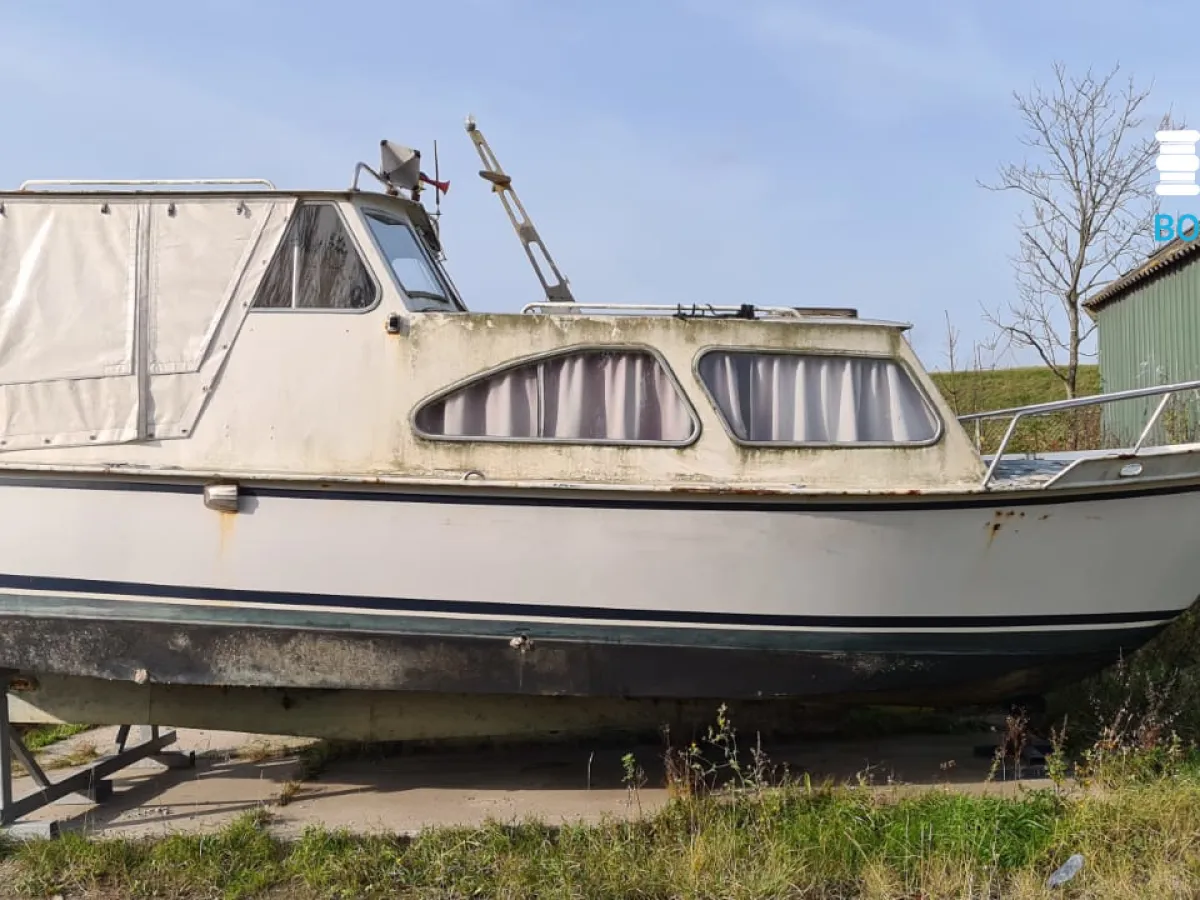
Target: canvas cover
<point>116,313</point>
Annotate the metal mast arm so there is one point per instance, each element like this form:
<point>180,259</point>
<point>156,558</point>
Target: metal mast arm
<point>502,185</point>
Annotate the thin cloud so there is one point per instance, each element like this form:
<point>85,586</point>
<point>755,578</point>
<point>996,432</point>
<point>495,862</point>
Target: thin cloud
<point>869,73</point>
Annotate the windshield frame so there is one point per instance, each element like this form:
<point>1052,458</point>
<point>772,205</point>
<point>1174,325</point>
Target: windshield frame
<point>375,217</point>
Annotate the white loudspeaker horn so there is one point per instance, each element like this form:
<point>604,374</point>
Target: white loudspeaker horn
<point>400,166</point>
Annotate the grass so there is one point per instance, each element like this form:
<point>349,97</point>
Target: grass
<point>79,756</point>
<point>39,737</point>
<point>1153,693</point>
<point>990,389</point>
<point>735,827</point>
<point>980,391</point>
<point>976,391</point>
<point>1142,840</point>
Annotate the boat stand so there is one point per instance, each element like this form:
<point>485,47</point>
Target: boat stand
<point>1031,763</point>
<point>92,782</point>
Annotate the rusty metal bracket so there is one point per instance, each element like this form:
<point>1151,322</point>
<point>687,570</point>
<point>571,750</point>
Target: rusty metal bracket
<point>222,497</point>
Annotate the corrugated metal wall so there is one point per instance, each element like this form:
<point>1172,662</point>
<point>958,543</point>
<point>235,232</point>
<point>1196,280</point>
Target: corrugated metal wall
<point>1151,336</point>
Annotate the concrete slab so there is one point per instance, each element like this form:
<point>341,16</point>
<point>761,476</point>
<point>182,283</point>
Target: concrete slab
<point>370,790</point>
<point>234,772</point>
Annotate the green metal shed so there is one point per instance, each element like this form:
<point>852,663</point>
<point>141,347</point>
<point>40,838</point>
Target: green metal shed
<point>1148,329</point>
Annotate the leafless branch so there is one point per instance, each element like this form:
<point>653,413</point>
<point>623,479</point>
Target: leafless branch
<point>951,343</point>
<point>1089,185</point>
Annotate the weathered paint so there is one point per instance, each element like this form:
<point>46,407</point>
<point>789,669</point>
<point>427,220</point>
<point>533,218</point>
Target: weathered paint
<point>216,656</point>
<point>1148,337</point>
<point>330,393</point>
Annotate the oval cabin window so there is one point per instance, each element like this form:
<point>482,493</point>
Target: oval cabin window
<point>797,398</point>
<point>586,396</point>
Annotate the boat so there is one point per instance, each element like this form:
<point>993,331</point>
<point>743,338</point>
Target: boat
<point>254,439</point>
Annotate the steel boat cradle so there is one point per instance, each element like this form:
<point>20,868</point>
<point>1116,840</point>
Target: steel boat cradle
<point>263,470</point>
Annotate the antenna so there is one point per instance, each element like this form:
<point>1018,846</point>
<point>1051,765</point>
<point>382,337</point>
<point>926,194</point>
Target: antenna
<point>502,185</point>
<point>437,179</point>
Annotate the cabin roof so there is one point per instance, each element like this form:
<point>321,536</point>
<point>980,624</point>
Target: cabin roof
<point>74,191</point>
<point>66,190</point>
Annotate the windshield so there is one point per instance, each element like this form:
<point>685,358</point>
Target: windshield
<point>412,268</point>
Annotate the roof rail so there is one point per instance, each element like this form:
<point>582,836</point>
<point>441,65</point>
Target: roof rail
<point>700,309</point>
<point>813,314</point>
<point>156,182</point>
<point>837,312</point>
<point>689,310</point>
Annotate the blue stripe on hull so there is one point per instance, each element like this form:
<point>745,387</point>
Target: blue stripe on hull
<point>67,586</point>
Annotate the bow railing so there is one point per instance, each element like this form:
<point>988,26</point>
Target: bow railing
<point>1016,413</point>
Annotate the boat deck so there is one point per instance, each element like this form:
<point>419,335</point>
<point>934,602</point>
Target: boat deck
<point>1023,472</point>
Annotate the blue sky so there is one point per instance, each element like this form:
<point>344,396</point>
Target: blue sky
<point>770,151</point>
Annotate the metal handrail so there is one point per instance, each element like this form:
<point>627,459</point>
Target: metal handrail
<point>698,310</point>
<point>701,308</point>
<point>86,182</point>
<point>1166,391</point>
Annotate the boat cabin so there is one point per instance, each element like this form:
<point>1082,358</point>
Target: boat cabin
<point>232,329</point>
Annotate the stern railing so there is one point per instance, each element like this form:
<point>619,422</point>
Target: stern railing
<point>1016,413</point>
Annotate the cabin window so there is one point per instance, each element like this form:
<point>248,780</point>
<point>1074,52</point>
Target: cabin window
<point>796,398</point>
<point>585,396</point>
<point>415,273</point>
<point>317,266</point>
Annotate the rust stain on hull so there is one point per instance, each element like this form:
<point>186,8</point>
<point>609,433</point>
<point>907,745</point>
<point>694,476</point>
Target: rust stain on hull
<point>994,526</point>
<point>225,529</point>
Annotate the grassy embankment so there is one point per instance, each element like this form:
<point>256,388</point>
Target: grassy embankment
<point>969,392</point>
<point>1003,388</point>
<point>1132,810</point>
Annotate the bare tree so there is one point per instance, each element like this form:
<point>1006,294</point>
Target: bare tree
<point>967,395</point>
<point>952,335</point>
<point>1090,190</point>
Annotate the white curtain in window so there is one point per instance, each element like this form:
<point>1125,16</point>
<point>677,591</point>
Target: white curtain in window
<point>592,395</point>
<point>505,405</point>
<point>793,398</point>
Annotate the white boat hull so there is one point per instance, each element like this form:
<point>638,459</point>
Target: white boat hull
<point>587,593</point>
